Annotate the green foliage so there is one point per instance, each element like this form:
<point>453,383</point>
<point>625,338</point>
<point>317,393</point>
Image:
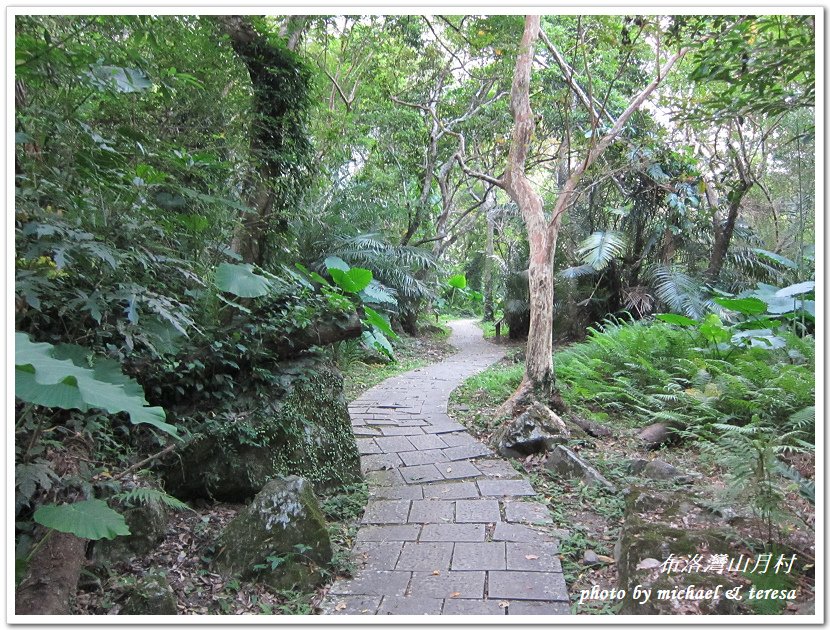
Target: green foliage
<point>600,248</point>
<point>241,280</point>
<point>44,379</point>
<point>458,281</point>
<point>647,372</point>
<point>150,496</point>
<point>91,519</point>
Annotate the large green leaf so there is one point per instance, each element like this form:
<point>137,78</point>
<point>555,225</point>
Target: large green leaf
<point>458,281</point>
<point>335,262</point>
<point>44,379</point>
<point>746,306</point>
<point>92,519</point>
<point>677,320</point>
<point>352,281</point>
<point>118,79</point>
<point>377,321</point>
<point>796,289</point>
<point>713,330</point>
<point>241,280</point>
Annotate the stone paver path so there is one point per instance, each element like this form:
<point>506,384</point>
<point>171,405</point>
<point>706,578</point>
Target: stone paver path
<point>447,529</point>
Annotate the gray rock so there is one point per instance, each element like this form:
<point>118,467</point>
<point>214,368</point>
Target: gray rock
<point>658,469</point>
<point>655,435</point>
<point>148,525</point>
<point>589,557</point>
<point>304,430</point>
<point>280,538</point>
<point>151,595</point>
<point>536,430</point>
<point>636,466</point>
<point>567,463</point>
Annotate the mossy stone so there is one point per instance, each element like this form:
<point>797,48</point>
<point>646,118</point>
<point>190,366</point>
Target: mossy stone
<point>151,595</point>
<point>148,525</point>
<point>302,429</point>
<point>280,538</point>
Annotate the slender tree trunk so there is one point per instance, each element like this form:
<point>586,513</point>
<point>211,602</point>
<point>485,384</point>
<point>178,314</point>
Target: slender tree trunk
<point>487,276</point>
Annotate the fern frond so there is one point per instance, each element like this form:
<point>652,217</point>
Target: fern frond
<point>151,496</point>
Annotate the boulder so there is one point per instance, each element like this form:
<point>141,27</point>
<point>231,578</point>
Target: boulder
<point>594,429</point>
<point>148,525</point>
<point>568,464</point>
<point>280,538</point>
<point>303,430</point>
<point>663,471</point>
<point>654,435</point>
<point>151,595</point>
<point>655,526</point>
<point>535,430</point>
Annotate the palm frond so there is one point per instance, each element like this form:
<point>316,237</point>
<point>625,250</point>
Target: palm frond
<point>600,248</point>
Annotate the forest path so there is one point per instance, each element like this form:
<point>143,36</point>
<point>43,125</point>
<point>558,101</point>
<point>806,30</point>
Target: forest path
<point>446,529</point>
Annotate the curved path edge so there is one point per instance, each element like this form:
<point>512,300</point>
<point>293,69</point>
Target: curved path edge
<point>448,529</point>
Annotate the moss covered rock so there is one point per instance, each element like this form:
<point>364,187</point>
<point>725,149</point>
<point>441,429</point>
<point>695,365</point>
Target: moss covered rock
<point>303,428</point>
<point>151,595</point>
<point>657,525</point>
<point>148,525</point>
<point>280,538</point>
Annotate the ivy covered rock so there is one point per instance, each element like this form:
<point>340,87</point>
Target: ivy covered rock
<point>302,428</point>
<point>280,538</point>
<point>536,430</point>
<point>151,595</point>
<point>655,526</point>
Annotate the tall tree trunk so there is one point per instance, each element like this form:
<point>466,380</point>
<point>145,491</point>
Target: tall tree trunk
<point>279,143</point>
<point>725,229</point>
<point>487,275</point>
<point>51,579</point>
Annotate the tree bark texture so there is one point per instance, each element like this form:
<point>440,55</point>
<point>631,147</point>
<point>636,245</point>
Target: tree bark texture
<point>51,579</point>
<point>279,143</point>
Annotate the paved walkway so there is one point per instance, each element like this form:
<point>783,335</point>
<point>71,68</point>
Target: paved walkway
<point>446,530</point>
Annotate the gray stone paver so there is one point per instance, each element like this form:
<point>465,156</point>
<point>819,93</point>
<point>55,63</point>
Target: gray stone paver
<point>387,511</point>
<point>367,446</point>
<point>477,511</point>
<point>452,532</point>
<point>449,585</point>
<point>410,606</point>
<point>451,490</point>
<point>515,532</point>
<point>527,585</point>
<point>379,461</point>
<point>418,458</point>
<point>506,488</point>
<point>373,583</point>
<point>459,470</point>
<point>427,442</point>
<point>473,607</point>
<point>467,451</point>
<point>533,557</point>
<point>420,474</point>
<point>431,511</point>
<point>382,533</point>
<point>425,556</point>
<point>526,512</point>
<point>479,556</point>
<point>394,444</point>
<point>378,556</point>
<point>426,544</point>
